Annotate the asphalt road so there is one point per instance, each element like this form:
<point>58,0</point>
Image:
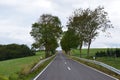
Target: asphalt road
<point>63,68</point>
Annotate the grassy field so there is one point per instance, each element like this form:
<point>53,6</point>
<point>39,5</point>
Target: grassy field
<point>76,52</point>
<point>12,66</point>
<point>115,62</point>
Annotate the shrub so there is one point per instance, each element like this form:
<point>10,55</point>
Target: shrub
<point>108,53</point>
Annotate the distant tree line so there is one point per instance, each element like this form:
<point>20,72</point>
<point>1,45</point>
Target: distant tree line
<point>108,53</point>
<point>11,51</point>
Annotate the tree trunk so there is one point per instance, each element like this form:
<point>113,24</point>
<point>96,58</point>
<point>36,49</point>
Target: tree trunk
<point>47,51</point>
<point>68,52</point>
<point>52,52</point>
<point>88,51</point>
<point>80,50</point>
<point>65,51</point>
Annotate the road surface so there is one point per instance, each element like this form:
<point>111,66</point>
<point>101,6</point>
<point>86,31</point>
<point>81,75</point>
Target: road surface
<point>63,68</point>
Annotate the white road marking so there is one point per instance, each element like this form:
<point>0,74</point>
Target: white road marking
<point>65,63</point>
<point>44,69</point>
<point>69,68</point>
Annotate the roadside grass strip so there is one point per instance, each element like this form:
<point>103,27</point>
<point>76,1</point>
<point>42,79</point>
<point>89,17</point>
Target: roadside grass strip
<point>98,67</point>
<point>39,69</point>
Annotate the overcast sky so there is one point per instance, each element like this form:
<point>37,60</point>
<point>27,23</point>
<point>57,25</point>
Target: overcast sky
<point>17,16</point>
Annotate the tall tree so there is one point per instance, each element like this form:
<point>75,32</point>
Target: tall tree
<point>69,41</point>
<point>53,45</point>
<point>88,23</point>
<point>46,32</point>
<point>97,20</point>
<point>77,22</point>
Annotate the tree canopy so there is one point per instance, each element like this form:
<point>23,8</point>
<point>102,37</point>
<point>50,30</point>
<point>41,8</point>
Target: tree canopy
<point>46,32</point>
<point>88,24</point>
<point>69,41</point>
<point>83,27</point>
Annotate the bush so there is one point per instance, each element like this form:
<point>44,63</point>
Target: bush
<point>108,53</point>
<point>117,51</point>
<point>14,51</point>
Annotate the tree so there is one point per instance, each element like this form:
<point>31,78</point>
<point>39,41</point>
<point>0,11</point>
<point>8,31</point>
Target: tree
<point>53,45</point>
<point>45,30</point>
<point>88,23</point>
<point>69,41</point>
<point>97,20</point>
<point>77,23</point>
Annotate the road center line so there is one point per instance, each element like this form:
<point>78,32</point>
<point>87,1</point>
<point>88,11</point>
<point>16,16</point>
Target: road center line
<point>69,68</point>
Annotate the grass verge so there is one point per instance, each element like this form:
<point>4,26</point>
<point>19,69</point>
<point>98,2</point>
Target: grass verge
<point>2,77</point>
<point>97,67</point>
<point>115,62</point>
<point>112,61</point>
<point>76,52</point>
<point>12,67</point>
<point>30,76</point>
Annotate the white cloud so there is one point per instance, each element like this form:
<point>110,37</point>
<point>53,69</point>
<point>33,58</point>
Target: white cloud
<point>27,6</point>
<point>108,39</point>
<point>8,2</point>
<point>10,30</point>
<point>17,16</point>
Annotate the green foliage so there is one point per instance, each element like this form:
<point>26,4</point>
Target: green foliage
<point>14,51</point>
<point>87,24</point>
<point>53,45</point>
<point>108,53</point>
<point>69,40</point>
<point>46,32</point>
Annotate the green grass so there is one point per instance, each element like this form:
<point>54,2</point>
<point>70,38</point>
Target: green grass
<point>115,62</point>
<point>98,67</point>
<point>76,52</point>
<point>36,72</point>
<point>12,66</point>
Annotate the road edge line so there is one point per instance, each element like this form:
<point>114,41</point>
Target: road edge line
<point>44,69</point>
<point>96,70</point>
